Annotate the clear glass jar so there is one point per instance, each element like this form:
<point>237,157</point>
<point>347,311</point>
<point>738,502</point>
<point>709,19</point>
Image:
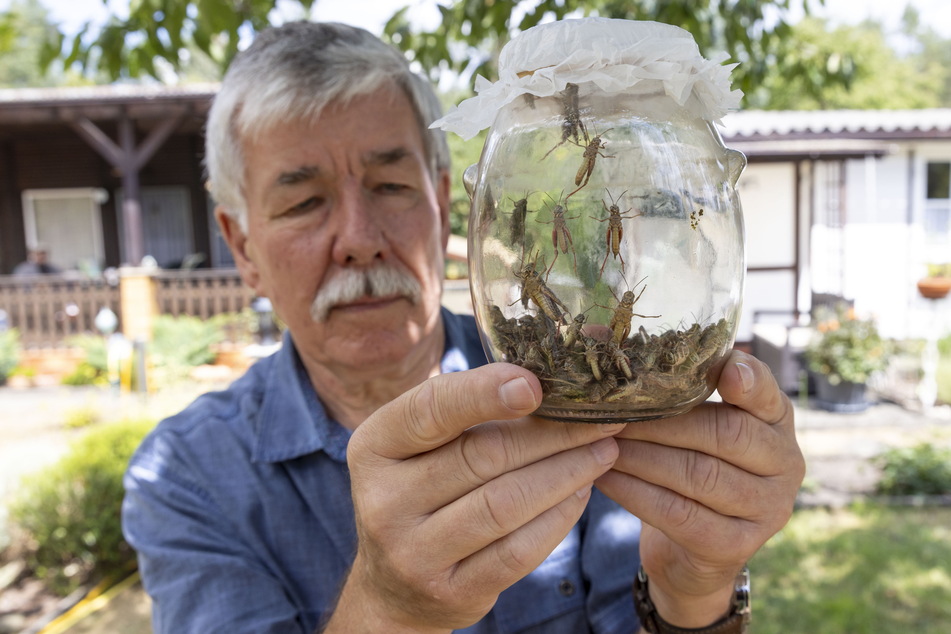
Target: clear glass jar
<point>606,249</point>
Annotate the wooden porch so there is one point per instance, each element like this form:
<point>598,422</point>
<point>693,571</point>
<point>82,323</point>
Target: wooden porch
<point>49,309</point>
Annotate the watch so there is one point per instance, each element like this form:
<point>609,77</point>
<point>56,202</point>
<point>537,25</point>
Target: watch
<point>736,622</point>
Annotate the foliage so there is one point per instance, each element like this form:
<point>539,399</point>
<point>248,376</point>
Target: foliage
<point>874,76</point>
<point>939,269</point>
<point>845,347</point>
<point>180,344</point>
<point>750,31</point>
<point>169,32</point>
<point>81,417</point>
<point>68,513</point>
<point>9,352</point>
<point>920,470</point>
<point>864,570</point>
<point>93,369</point>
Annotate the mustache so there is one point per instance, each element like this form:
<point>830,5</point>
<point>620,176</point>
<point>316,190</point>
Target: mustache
<point>350,285</point>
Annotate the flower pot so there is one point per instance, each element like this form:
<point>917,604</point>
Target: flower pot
<point>934,287</point>
<point>843,397</point>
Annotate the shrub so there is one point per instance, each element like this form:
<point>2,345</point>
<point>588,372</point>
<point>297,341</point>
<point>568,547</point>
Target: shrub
<point>68,513</point>
<point>92,370</point>
<point>845,347</point>
<point>920,470</point>
<point>9,352</point>
<point>179,344</point>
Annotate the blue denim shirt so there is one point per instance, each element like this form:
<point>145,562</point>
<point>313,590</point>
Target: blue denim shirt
<point>239,508</point>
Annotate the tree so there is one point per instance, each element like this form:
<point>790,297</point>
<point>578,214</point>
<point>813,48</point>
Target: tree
<point>467,41</point>
<point>883,80</point>
<point>472,32</point>
<point>25,35</point>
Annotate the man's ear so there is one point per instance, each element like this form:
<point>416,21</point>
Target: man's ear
<point>237,241</point>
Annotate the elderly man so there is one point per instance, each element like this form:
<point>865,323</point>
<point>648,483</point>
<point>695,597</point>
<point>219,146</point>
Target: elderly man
<point>375,475</point>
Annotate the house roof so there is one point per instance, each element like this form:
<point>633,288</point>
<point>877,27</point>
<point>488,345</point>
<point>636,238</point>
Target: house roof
<point>48,105</point>
<point>857,124</point>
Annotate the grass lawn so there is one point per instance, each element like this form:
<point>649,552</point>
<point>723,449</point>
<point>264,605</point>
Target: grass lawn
<point>862,570</point>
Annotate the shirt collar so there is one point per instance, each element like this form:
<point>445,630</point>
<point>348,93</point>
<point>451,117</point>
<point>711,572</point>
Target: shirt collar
<point>292,421</point>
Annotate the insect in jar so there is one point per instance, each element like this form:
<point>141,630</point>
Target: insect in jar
<point>561,234</point>
<point>535,289</point>
<point>591,153</point>
<point>623,314</point>
<point>615,231</point>
<point>571,122</point>
<point>517,226</point>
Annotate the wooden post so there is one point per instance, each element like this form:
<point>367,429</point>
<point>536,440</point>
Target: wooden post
<point>137,302</point>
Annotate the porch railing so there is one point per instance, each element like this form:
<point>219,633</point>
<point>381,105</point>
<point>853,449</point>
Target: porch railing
<point>48,309</point>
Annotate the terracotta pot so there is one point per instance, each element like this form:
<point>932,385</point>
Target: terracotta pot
<point>934,287</point>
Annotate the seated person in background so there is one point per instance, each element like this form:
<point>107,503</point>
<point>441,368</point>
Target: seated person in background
<point>36,263</point>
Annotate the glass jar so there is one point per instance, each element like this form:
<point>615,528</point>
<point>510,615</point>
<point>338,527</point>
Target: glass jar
<point>606,244</point>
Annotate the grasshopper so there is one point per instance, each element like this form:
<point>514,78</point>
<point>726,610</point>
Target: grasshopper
<point>571,123</point>
<point>623,314</point>
<point>615,231</point>
<point>591,153</point>
<point>535,289</point>
<point>560,233</point>
<point>517,227</point>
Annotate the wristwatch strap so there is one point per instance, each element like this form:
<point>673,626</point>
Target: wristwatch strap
<point>735,622</point>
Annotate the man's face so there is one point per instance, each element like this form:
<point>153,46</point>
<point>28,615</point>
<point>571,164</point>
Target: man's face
<point>328,203</point>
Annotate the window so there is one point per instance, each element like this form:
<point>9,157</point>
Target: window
<point>67,222</point>
<point>937,220</point>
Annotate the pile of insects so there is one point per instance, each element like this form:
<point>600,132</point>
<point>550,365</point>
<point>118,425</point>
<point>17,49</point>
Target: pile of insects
<point>576,359</point>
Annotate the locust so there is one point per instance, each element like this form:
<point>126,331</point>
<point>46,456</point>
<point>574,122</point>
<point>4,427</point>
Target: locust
<point>623,314</point>
<point>535,289</point>
<point>591,153</point>
<point>561,234</point>
<point>615,231</point>
<point>571,122</point>
<point>517,227</point>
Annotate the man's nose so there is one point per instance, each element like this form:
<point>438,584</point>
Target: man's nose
<point>361,237</point>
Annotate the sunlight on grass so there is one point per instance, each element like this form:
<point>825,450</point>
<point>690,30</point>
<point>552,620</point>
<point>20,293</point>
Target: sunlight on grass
<point>863,571</point>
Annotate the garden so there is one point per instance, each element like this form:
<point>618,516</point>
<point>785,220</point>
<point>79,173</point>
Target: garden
<point>877,564</point>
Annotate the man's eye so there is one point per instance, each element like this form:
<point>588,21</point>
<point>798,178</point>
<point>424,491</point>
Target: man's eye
<point>391,188</point>
<point>311,203</point>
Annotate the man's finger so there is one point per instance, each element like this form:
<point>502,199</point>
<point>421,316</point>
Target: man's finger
<point>748,383</point>
<point>438,410</point>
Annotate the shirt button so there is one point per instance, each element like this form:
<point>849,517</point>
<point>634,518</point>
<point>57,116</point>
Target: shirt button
<point>566,588</point>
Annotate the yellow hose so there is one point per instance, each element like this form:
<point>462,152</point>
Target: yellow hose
<point>97,598</point>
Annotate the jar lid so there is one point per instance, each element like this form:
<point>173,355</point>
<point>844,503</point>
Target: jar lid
<point>615,55</point>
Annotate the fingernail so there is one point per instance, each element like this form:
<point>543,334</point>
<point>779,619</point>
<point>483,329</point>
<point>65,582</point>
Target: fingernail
<point>605,450</point>
<point>517,394</point>
<point>746,376</point>
<point>583,492</point>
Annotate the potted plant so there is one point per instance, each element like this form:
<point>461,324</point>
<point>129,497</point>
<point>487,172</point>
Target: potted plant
<point>843,353</point>
<point>937,284</point>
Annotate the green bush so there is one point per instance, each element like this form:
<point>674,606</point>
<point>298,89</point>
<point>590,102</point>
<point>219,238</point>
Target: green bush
<point>920,470</point>
<point>179,344</point>
<point>9,352</point>
<point>92,370</point>
<point>68,513</point>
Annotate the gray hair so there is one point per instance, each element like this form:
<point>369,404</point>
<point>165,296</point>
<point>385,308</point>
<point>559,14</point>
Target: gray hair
<point>291,73</point>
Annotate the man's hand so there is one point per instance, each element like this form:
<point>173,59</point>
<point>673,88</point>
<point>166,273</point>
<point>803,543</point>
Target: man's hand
<point>451,509</point>
<point>712,486</point>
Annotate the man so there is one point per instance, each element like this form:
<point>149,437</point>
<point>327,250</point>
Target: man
<point>375,475</point>
<point>36,263</point>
